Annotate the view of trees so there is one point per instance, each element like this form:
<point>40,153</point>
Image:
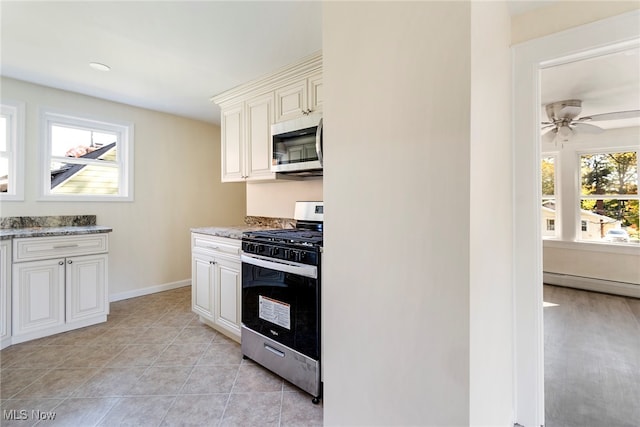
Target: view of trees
<point>615,177</point>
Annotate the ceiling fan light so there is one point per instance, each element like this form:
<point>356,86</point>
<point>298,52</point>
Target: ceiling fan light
<point>564,133</point>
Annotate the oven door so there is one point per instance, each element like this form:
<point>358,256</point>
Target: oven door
<point>281,300</point>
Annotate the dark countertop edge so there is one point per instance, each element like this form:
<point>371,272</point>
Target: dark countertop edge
<point>18,233</point>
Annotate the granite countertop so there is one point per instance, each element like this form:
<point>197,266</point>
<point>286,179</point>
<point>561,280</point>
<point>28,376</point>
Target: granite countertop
<point>46,226</point>
<point>231,232</point>
<point>16,233</point>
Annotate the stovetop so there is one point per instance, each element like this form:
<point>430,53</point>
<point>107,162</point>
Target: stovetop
<point>287,236</point>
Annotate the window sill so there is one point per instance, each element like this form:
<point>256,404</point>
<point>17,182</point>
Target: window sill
<point>623,249</point>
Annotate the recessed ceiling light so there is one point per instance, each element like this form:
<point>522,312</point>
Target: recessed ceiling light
<point>98,66</point>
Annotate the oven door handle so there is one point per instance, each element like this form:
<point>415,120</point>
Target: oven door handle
<point>280,265</point>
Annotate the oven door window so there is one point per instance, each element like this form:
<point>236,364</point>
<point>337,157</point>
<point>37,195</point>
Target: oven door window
<point>282,306</point>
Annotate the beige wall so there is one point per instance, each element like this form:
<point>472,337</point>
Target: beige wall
<point>562,15</point>
<point>277,199</point>
<point>491,195</point>
<point>177,186</point>
<point>396,190</point>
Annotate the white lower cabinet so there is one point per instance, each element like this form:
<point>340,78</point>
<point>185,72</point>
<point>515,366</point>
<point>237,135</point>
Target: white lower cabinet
<point>216,280</point>
<point>58,294</point>
<point>5,293</point>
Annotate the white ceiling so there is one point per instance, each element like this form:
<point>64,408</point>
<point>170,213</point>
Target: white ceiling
<point>169,56</point>
<point>172,56</point>
<point>605,84</point>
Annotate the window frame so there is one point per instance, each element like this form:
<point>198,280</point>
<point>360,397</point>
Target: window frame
<point>578,183</point>
<point>556,196</point>
<point>15,111</point>
<point>125,131</point>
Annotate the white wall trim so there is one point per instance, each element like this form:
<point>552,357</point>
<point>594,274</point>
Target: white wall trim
<point>619,249</point>
<point>592,284</point>
<point>149,290</point>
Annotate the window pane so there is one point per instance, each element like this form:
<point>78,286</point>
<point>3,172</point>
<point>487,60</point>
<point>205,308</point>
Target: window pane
<point>4,174</point>
<point>549,218</point>
<point>548,176</point>
<point>605,215</point>
<point>609,173</point>
<point>75,142</point>
<point>4,137</point>
<point>92,179</point>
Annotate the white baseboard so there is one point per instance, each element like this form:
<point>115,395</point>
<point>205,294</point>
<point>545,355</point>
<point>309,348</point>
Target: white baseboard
<point>591,284</point>
<point>149,290</point>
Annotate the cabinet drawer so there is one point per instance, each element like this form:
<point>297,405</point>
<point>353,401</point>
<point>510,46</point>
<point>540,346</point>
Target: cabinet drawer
<point>216,244</point>
<point>37,248</point>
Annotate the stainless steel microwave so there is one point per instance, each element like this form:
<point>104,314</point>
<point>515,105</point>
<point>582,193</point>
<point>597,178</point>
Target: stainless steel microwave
<point>297,146</point>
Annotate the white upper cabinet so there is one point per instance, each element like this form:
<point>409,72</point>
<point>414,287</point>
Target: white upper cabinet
<point>299,98</point>
<point>248,111</point>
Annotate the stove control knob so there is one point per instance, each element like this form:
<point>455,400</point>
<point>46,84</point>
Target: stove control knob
<point>294,255</point>
<point>250,247</point>
<point>261,249</point>
<point>274,251</point>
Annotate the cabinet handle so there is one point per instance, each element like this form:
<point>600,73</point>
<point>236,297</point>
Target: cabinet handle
<point>61,263</point>
<point>75,245</point>
<point>212,262</point>
<point>69,262</point>
<point>213,247</point>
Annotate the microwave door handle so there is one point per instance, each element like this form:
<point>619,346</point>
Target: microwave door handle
<point>319,141</point>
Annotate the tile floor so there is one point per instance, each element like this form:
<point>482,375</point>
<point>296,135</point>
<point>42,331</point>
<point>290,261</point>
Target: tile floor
<point>151,364</point>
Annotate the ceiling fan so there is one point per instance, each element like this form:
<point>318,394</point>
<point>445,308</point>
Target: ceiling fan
<point>563,124</point>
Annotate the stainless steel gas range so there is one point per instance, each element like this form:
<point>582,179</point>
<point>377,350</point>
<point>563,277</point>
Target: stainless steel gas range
<point>281,298</point>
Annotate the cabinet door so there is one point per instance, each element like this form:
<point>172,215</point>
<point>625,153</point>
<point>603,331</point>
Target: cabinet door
<point>38,295</point>
<point>291,101</point>
<point>232,119</point>
<point>202,285</point>
<point>315,93</point>
<point>259,118</point>
<point>228,295</point>
<point>86,286</point>
<point>5,292</point>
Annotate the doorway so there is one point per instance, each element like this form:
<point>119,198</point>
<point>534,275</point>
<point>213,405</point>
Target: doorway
<point>529,58</point>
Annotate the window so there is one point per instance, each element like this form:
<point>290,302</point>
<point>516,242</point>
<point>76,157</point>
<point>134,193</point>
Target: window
<point>609,195</point>
<point>549,205</point>
<point>86,159</point>
<point>11,149</point>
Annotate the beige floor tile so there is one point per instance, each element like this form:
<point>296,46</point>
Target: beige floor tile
<point>119,335</point>
<point>225,353</point>
<point>255,378</point>
<point>181,355</point>
<point>253,409</point>
<point>298,410</point>
<point>85,412</point>
<point>210,379</point>
<point>196,410</point>
<point>194,335</point>
<point>175,319</point>
<point>92,356</point>
<point>138,411</point>
<point>12,380</point>
<point>110,382</point>
<point>137,355</point>
<point>159,335</point>
<point>166,380</point>
<point>45,357</point>
<point>57,383</point>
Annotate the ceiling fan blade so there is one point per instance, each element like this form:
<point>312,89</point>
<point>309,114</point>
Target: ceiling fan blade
<point>586,128</point>
<point>618,115</point>
<point>549,126</point>
<point>549,136</point>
